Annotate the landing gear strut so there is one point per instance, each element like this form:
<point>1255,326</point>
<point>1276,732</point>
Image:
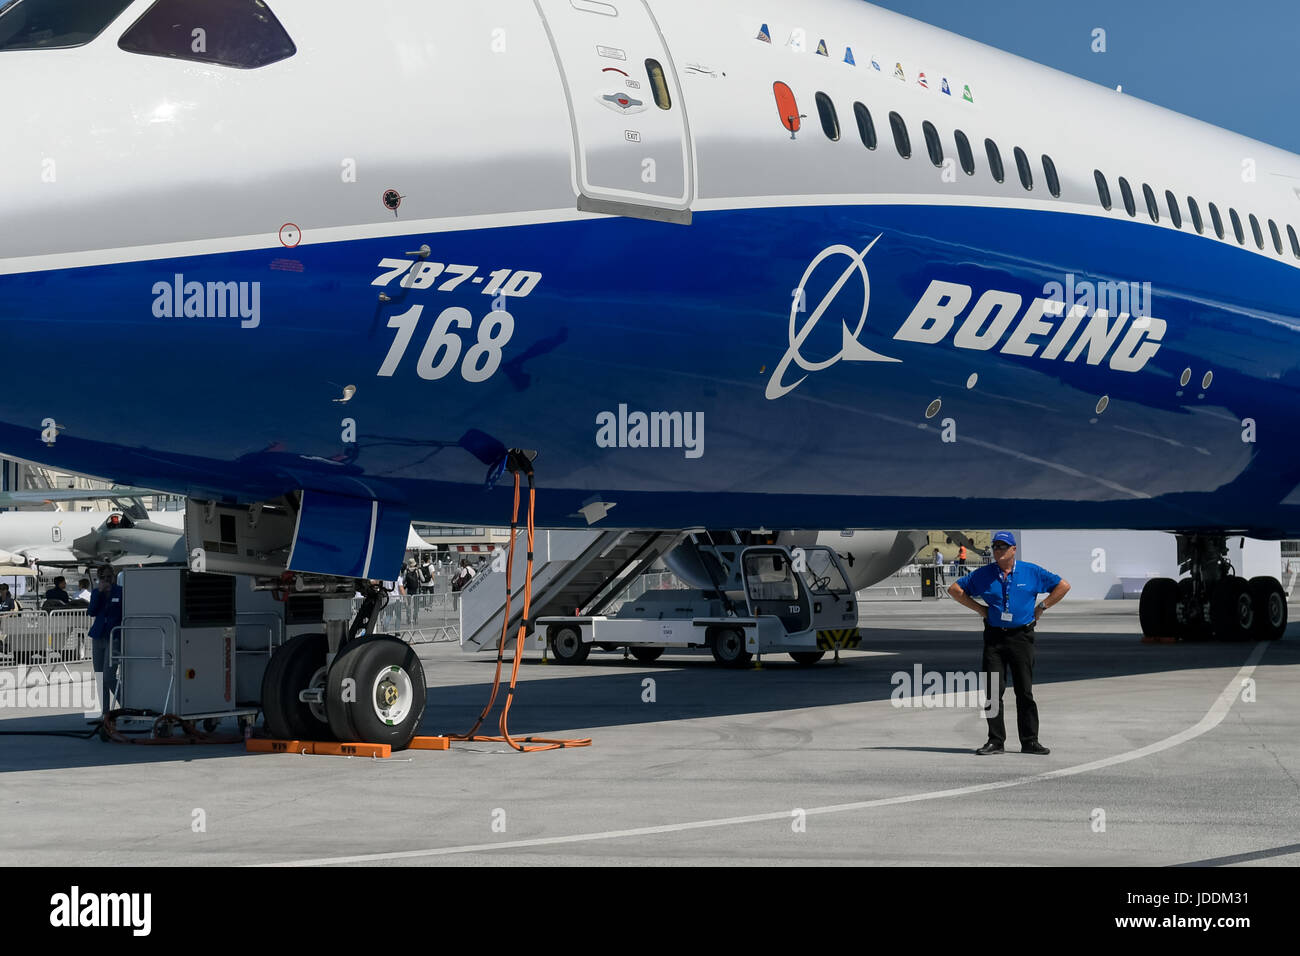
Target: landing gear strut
<point>1212,601</point>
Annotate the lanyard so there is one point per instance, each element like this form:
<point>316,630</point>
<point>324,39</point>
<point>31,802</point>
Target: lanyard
<point>1005,580</point>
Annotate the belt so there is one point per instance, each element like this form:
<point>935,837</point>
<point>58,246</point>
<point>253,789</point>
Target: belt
<point>1018,627</point>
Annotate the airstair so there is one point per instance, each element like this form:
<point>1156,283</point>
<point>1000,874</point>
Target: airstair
<point>573,572</point>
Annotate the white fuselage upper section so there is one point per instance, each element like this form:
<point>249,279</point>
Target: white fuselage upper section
<point>461,107</point>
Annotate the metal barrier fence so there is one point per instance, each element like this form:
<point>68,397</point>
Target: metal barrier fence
<point>905,583</point>
<point>1290,572</point>
<point>424,618</point>
<point>44,639</point>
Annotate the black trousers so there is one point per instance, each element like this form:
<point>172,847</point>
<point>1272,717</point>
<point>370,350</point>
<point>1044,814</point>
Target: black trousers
<point>1011,649</point>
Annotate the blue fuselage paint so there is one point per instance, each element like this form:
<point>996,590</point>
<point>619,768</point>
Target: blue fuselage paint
<point>691,320</point>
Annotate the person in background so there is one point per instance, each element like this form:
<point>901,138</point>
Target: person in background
<point>106,610</point>
<point>83,590</point>
<point>412,584</point>
<point>59,592</point>
<point>961,560</point>
<point>7,601</point>
<point>938,567</point>
<point>463,576</point>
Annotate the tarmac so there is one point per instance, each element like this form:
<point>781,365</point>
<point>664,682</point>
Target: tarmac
<point>1162,754</point>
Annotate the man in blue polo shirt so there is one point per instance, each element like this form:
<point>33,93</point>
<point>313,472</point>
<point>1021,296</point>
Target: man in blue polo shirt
<point>1009,590</point>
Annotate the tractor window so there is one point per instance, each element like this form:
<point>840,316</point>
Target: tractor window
<point>822,575</point>
<point>769,577</point>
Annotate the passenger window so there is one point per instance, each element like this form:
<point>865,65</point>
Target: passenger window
<point>55,24</point>
<point>1259,233</point>
<point>866,127</point>
<point>1103,189</point>
<point>1053,181</point>
<point>932,144</point>
<point>1022,166</point>
<point>1295,241</point>
<point>1152,209</point>
<point>1197,221</point>
<point>1130,206</point>
<point>995,161</point>
<point>901,139</point>
<point>830,119</point>
<point>964,153</point>
<point>659,84</point>
<point>1277,236</point>
<point>1175,214</point>
<point>243,34</point>
<point>1236,226</point>
<point>1217,220</point>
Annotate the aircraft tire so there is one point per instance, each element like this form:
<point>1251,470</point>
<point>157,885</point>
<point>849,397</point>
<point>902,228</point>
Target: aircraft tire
<point>567,646</point>
<point>289,671</point>
<point>1270,608</point>
<point>1232,609</point>
<point>387,698</point>
<point>647,655</point>
<point>728,646</point>
<point>1157,608</point>
<point>807,658</point>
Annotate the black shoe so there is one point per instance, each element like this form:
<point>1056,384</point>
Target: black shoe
<point>1034,747</point>
<point>991,748</point>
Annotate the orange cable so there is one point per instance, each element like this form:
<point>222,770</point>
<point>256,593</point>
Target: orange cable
<point>546,743</point>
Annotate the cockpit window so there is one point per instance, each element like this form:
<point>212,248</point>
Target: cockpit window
<point>243,34</point>
<point>55,24</point>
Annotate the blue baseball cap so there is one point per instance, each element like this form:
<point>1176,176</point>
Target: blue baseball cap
<point>1006,536</point>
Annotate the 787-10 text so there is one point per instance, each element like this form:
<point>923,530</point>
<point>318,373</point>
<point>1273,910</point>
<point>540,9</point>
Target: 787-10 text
<point>426,275</point>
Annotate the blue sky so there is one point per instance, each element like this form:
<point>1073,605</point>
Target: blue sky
<point>1232,63</point>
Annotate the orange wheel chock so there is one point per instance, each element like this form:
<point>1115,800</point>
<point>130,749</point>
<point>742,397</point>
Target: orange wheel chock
<point>319,748</point>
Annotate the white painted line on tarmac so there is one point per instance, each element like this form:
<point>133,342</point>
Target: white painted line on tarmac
<point>1213,717</point>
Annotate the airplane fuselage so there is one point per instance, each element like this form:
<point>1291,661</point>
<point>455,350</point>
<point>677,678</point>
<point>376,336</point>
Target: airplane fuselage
<point>840,337</point>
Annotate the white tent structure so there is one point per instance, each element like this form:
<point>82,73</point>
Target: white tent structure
<point>415,543</point>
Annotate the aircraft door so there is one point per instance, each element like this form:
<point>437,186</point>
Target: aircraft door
<point>773,588</point>
<point>631,133</point>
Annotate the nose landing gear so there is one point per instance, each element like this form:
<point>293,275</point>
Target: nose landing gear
<point>346,684</point>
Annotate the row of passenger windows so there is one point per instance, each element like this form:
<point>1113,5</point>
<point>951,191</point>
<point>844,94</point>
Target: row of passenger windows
<point>1194,210</point>
<point>830,122</point>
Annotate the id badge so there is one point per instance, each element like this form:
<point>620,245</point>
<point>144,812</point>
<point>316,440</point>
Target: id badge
<point>1007,615</point>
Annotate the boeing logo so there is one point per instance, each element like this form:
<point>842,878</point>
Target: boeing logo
<point>998,320</point>
<point>852,350</point>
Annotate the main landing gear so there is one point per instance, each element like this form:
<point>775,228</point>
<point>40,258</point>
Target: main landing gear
<point>346,684</point>
<point>1212,602</point>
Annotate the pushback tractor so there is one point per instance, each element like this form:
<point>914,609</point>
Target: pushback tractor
<point>767,600</point>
